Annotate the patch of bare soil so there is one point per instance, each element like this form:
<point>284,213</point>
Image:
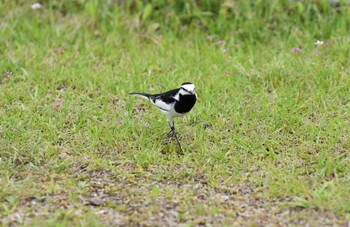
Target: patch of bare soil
<point>140,201</point>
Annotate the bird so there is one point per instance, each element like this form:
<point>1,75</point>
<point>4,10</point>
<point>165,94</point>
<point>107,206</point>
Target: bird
<point>174,103</point>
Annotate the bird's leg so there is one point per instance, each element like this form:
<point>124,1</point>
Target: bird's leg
<point>178,142</point>
<point>172,127</point>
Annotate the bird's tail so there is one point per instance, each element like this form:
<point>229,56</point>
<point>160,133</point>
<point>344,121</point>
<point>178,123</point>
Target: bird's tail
<point>142,95</point>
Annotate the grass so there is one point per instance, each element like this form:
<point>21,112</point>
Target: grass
<point>267,142</point>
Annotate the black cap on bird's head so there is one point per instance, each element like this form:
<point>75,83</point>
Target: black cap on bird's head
<point>188,88</point>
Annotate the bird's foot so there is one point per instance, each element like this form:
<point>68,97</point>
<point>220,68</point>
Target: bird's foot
<point>172,133</point>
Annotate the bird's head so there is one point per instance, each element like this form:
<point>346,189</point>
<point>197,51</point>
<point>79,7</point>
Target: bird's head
<point>188,88</point>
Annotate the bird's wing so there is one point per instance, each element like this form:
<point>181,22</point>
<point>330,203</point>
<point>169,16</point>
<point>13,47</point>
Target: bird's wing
<point>161,104</point>
<point>165,100</point>
<point>169,96</point>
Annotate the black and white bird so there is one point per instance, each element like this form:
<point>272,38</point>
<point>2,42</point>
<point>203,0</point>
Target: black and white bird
<point>173,103</point>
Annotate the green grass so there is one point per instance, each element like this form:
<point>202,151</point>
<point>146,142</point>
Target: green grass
<point>267,144</point>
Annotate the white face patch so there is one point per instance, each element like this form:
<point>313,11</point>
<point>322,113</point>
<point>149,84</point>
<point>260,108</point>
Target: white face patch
<point>188,89</point>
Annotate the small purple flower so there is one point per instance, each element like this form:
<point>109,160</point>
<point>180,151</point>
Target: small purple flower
<point>210,37</point>
<point>221,42</point>
<point>225,51</point>
<point>227,73</point>
<point>317,52</point>
<point>120,122</point>
<point>159,37</point>
<point>58,103</point>
<point>8,74</point>
<point>61,49</point>
<point>296,50</point>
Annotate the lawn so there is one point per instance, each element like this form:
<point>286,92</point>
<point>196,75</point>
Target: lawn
<point>267,143</point>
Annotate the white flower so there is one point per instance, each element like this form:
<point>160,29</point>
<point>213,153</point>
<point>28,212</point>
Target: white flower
<point>36,6</point>
<point>319,43</point>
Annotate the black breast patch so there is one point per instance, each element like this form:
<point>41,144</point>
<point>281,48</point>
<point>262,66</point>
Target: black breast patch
<point>185,103</point>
